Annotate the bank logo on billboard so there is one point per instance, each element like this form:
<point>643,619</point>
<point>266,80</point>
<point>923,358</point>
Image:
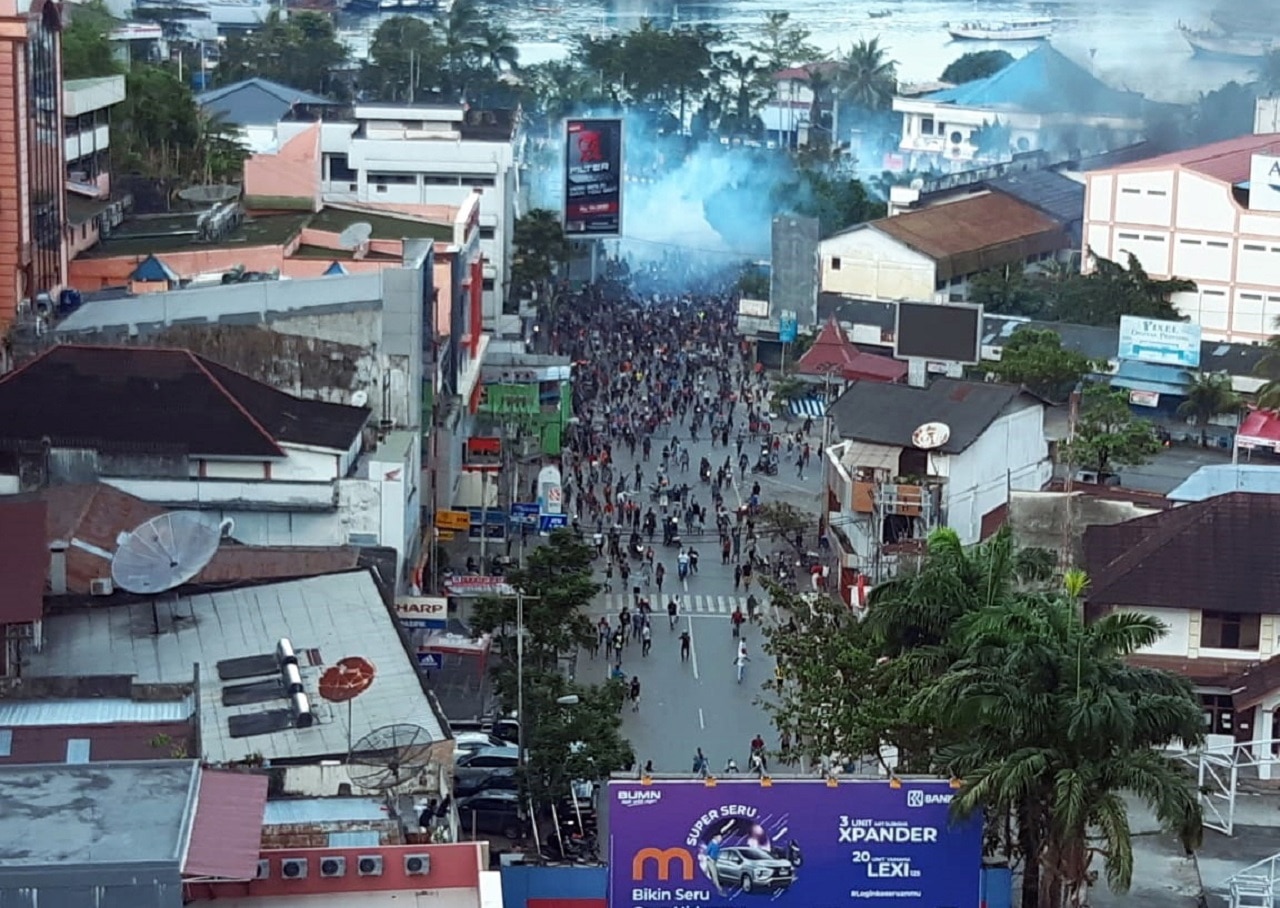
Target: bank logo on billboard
<point>798,843</point>
<point>593,178</point>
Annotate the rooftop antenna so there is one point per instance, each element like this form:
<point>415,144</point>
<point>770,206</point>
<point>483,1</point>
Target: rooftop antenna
<point>356,238</point>
<point>165,552</point>
<point>389,756</point>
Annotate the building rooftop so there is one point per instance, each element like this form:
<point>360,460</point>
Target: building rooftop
<point>833,354</point>
<point>976,234</point>
<point>257,102</point>
<point>326,618</point>
<point>1159,561</point>
<point>106,711</point>
<point>1044,81</point>
<point>1227,161</point>
<point>152,398</point>
<point>24,561</point>
<point>1217,479</point>
<point>1062,198</point>
<point>156,234</point>
<point>96,813</point>
<point>888,414</point>
<point>385,226</point>
<point>299,811</point>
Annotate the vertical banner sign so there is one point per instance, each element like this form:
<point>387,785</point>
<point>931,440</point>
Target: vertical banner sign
<point>593,178</point>
<point>795,844</point>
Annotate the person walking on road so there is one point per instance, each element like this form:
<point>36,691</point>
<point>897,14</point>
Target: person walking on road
<point>617,648</point>
<point>700,763</point>
<point>685,646</point>
<point>646,639</point>
<point>740,661</point>
<point>634,693</point>
<point>673,610</point>
<point>752,605</point>
<point>736,620</point>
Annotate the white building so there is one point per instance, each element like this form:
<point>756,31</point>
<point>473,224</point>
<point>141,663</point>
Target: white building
<point>419,159</point>
<point>86,144</point>
<point>932,254</point>
<point>1209,215</point>
<point>885,493</point>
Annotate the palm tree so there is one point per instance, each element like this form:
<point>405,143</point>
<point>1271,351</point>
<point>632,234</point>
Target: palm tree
<point>867,78</point>
<point>1052,728</point>
<point>1268,368</point>
<point>496,47</point>
<point>461,35</point>
<point>1208,395</point>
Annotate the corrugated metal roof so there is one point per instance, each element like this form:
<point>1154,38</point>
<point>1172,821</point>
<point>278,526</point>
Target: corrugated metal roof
<point>354,840</point>
<point>300,811</point>
<point>226,833</point>
<point>35,713</point>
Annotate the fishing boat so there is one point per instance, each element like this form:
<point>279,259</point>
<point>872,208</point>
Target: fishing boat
<point>1021,30</point>
<point>1225,46</point>
<point>880,13</point>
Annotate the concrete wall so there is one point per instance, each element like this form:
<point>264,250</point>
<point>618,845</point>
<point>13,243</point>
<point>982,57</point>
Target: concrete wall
<point>554,887</point>
<point>873,265</point>
<point>1050,520</point>
<point>291,172</point>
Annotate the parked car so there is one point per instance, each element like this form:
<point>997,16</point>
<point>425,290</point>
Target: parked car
<point>489,756</point>
<point>471,741</point>
<point>469,780</point>
<point>495,812</point>
<point>753,870</point>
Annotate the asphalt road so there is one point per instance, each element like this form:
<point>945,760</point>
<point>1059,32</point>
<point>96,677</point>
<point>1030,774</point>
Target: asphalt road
<point>699,702</point>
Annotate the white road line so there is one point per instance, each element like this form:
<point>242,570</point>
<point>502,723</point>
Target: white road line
<point>693,651</point>
<point>702,723</point>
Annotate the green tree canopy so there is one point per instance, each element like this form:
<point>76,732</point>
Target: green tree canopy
<point>564,743</point>
<point>1108,435</point>
<point>86,41</point>
<point>1034,357</point>
<point>976,65</point>
<point>540,247</point>
<point>837,202</point>
<point>867,78</point>
<point>1007,290</point>
<point>782,43</point>
<point>1210,394</point>
<point>406,59</point>
<point>301,51</point>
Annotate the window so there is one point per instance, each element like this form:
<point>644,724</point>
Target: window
<point>835,263</point>
<point>1156,192</point>
<point>1186,242</point>
<point>1254,247</point>
<point>477,181</point>
<point>926,126</point>
<point>486,284</point>
<point>1229,630</point>
<point>1127,236</point>
<point>1217,244</point>
<point>1129,190</point>
<point>1251,296</point>
<point>6,742</point>
<point>1219,714</point>
<point>340,170</point>
<point>486,233</point>
<point>1151,238</point>
<point>78,750</point>
<point>439,179</point>
<point>393,179</point>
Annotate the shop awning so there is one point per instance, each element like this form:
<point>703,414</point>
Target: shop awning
<point>1153,378</point>
<point>226,833</point>
<point>812,407</point>
<point>1260,429</point>
<point>860,455</point>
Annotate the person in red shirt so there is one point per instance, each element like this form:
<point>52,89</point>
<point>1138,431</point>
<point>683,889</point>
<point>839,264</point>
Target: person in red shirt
<point>737,618</point>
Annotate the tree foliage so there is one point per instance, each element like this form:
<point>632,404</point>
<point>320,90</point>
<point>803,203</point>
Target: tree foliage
<point>1007,290</point>
<point>969,670</point>
<point>976,65</point>
<point>1035,357</point>
<point>86,41</point>
<point>1108,435</point>
<point>837,202</point>
<point>781,43</point>
<point>564,743</point>
<point>540,248</point>
<point>867,78</point>
<point>1208,395</point>
<point>301,51</point>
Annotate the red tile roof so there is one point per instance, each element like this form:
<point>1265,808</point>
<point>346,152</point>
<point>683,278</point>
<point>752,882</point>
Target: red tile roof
<point>1259,427</point>
<point>24,561</point>
<point>833,353</point>
<point>1227,160</point>
<point>226,832</point>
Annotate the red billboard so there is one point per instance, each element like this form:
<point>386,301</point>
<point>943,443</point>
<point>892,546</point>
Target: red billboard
<point>593,178</point>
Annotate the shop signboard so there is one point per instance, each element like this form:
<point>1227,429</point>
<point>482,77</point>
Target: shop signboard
<point>791,844</point>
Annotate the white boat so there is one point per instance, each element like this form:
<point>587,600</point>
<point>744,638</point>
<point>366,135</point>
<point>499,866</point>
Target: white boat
<point>229,13</point>
<point>1021,30</point>
<point>1218,44</point>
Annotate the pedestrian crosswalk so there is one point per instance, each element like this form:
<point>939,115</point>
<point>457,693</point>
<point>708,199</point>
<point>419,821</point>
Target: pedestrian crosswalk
<point>690,604</point>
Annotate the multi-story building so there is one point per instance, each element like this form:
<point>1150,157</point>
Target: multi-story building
<point>421,158</point>
<point>86,140</point>
<point>32,170</point>
<point>1210,215</point>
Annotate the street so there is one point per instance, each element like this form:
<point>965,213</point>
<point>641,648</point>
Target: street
<point>699,703</point>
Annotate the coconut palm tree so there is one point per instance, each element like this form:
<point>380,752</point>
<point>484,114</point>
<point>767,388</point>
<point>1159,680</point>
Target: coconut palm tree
<point>1208,395</point>
<point>1052,727</point>
<point>867,78</point>
<point>496,47</point>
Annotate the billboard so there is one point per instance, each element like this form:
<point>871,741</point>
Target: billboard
<point>1264,183</point>
<point>938,332</point>
<point>793,275</point>
<point>593,178</point>
<point>1153,340</point>
<point>793,844</point>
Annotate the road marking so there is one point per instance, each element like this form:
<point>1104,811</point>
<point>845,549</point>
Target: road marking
<point>702,723</point>
<point>693,650</point>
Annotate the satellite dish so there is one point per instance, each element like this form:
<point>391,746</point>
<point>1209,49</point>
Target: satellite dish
<point>356,235</point>
<point>389,756</point>
<point>210,194</point>
<point>931,435</point>
<point>917,184</point>
<point>360,398</point>
<point>165,552</point>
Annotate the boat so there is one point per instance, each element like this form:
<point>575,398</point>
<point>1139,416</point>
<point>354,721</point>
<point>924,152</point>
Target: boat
<point>1223,46</point>
<point>227,13</point>
<point>880,13</point>
<point>1021,30</point>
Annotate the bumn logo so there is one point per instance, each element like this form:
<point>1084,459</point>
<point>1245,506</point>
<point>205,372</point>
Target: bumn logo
<point>638,798</point>
<point>663,859</point>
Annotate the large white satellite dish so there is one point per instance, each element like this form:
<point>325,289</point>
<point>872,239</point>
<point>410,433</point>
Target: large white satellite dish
<point>165,552</point>
<point>356,235</point>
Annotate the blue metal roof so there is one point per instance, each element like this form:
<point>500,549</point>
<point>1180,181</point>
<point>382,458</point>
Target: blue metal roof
<point>257,101</point>
<point>334,269</point>
<point>1154,377</point>
<point>300,811</point>
<point>1220,478</point>
<point>1043,81</point>
<point>152,270</point>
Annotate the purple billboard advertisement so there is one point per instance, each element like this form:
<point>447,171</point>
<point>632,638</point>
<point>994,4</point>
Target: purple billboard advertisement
<point>794,844</point>
<point>593,178</point>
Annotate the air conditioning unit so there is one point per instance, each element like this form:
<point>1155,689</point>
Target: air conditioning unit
<point>293,868</point>
<point>264,870</point>
<point>417,864</point>
<point>333,866</point>
<point>369,865</point>
<point>101,586</point>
